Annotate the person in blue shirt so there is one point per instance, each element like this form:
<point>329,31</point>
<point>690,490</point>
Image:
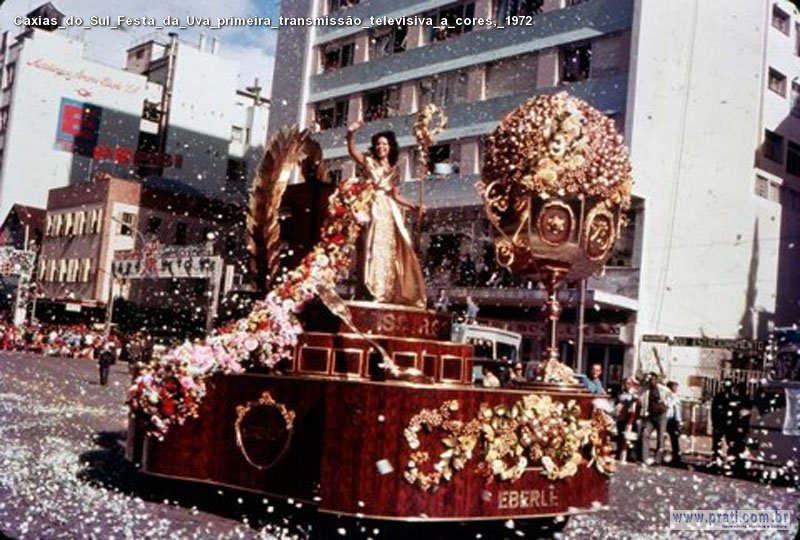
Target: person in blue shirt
<point>594,381</point>
<point>674,421</point>
<point>472,311</point>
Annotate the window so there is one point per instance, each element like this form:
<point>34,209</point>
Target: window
<point>791,200</point>
<point>795,110</point>
<point>237,134</point>
<point>127,224</point>
<point>336,5</point>
<point>49,227</point>
<point>52,268</point>
<point>11,69</point>
<point>510,8</point>
<point>444,90</point>
<point>381,104</point>
<point>793,158</point>
<point>58,225</point>
<point>773,146</point>
<point>334,176</point>
<point>153,225</point>
<point>335,170</point>
<point>774,191</point>
<point>576,62</point>
<point>85,270</point>
<point>516,75</point>
<point>332,116</point>
<point>797,39</point>
<point>388,41</point>
<point>40,275</point>
<point>777,82</point>
<point>181,230</point>
<point>150,111</point>
<point>444,19</point>
<point>236,171</point>
<point>72,270</point>
<point>80,223</point>
<point>443,154</point>
<point>575,2</point>
<point>780,19</point>
<point>68,220</point>
<point>95,220</point>
<point>4,119</point>
<point>337,56</point>
<point>62,271</point>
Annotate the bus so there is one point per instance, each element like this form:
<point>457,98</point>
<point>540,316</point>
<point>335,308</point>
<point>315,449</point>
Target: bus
<point>492,346</point>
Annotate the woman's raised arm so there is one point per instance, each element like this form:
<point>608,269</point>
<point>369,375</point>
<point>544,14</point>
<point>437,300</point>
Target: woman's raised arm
<point>357,156</point>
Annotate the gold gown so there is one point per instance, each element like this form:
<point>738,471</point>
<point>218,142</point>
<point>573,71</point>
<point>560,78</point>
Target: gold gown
<point>392,273</point>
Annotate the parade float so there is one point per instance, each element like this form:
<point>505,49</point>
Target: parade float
<point>367,409</point>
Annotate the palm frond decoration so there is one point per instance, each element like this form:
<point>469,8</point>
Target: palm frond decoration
<point>287,150</point>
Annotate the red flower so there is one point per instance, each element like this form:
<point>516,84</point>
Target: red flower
<point>167,407</point>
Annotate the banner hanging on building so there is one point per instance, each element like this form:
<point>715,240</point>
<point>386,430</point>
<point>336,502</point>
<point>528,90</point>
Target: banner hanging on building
<point>156,261</point>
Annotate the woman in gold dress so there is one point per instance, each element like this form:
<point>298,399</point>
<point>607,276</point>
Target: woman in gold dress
<point>391,271</point>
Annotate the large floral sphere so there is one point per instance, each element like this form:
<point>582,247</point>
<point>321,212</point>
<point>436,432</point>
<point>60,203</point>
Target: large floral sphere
<point>556,183</point>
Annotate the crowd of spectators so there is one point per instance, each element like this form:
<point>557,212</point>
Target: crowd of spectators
<point>466,271</point>
<point>72,341</point>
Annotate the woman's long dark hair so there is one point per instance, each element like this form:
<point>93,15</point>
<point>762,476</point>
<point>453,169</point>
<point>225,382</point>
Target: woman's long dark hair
<point>394,149</point>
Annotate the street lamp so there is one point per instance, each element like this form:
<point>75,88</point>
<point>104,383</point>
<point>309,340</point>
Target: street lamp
<point>112,279</point>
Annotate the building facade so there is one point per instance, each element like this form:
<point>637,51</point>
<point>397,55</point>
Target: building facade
<point>687,83</point>
<point>174,112</point>
<point>88,225</point>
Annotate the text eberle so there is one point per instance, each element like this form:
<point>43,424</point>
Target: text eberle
<point>529,498</point>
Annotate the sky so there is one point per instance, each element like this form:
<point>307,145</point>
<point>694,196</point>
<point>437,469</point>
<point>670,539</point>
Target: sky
<point>253,48</point>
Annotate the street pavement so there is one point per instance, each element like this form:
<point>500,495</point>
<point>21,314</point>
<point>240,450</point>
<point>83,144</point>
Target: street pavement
<point>63,475</point>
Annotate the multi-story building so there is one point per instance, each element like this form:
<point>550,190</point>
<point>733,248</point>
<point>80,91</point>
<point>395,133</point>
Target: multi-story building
<point>174,111</point>
<point>87,225</point>
<point>685,83</point>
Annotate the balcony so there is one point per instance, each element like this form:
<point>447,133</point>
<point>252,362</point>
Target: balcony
<point>607,94</point>
<point>552,29</point>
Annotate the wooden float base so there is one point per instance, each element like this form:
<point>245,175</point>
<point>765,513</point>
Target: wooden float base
<point>330,430</point>
<point>346,450</point>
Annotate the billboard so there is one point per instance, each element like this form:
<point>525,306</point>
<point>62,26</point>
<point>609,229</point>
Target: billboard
<point>78,127</point>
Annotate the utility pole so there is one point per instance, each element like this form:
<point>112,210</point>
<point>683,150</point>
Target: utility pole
<point>109,307</point>
<point>581,313</point>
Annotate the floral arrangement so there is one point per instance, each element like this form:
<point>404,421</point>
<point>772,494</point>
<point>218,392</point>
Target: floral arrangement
<point>534,431</point>
<point>170,391</point>
<point>600,438</point>
<point>555,145</point>
<point>459,442</point>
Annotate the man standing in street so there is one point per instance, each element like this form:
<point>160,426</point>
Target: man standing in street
<point>721,420</point>
<point>104,360</point>
<point>653,409</point>
<point>674,422</point>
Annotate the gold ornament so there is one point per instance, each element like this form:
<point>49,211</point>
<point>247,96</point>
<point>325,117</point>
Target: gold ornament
<point>533,431</point>
<point>266,400</point>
